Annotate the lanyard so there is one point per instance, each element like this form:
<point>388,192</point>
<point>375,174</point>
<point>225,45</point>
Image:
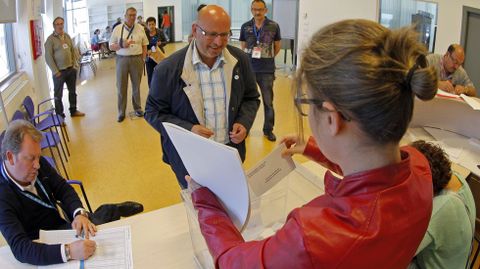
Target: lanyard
<point>128,36</point>
<point>30,196</point>
<point>259,32</point>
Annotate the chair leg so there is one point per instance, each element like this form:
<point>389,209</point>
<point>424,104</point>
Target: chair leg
<point>59,155</point>
<point>63,136</point>
<point>474,259</point>
<point>61,146</point>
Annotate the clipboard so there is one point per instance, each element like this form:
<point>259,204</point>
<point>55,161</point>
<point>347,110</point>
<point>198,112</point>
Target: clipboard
<point>215,166</point>
<point>157,55</point>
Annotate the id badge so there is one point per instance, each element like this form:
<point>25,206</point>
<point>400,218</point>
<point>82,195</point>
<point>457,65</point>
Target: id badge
<point>65,46</point>
<point>257,52</point>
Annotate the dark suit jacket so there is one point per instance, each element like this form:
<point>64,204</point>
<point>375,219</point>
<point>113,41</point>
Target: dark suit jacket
<point>167,101</point>
<point>21,218</point>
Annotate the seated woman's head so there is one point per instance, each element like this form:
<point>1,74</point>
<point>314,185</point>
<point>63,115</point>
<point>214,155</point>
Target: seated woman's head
<point>363,77</point>
<point>440,165</point>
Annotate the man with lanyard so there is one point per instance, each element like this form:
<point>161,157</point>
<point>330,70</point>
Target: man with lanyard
<point>260,38</point>
<point>29,189</point>
<point>130,43</point>
<point>61,58</point>
<point>207,87</point>
<point>34,196</point>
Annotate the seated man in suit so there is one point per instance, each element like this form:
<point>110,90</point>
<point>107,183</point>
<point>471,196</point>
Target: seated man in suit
<point>34,196</point>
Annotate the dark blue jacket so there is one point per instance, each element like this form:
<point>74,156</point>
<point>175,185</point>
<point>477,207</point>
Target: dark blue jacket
<point>167,101</point>
<point>21,218</point>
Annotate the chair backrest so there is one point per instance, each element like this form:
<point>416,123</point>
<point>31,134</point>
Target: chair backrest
<point>18,115</point>
<point>474,184</point>
<point>29,106</point>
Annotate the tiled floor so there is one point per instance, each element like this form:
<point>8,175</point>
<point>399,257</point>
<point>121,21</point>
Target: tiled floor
<point>123,161</point>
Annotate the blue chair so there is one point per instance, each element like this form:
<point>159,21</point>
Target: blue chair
<point>50,120</point>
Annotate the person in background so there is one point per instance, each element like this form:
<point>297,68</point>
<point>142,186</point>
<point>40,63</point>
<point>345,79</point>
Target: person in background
<point>107,33</point>
<point>207,87</point>
<point>448,241</point>
<point>95,39</point>
<point>376,214</point>
<point>260,39</point>
<point>452,77</point>
<point>166,25</point>
<point>156,40</point>
<point>60,56</point>
<point>190,36</point>
<point>118,22</point>
<point>33,196</point>
<point>141,22</point>
<point>130,44</point>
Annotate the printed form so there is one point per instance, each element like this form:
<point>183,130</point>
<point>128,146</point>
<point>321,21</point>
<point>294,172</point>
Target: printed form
<point>114,248</point>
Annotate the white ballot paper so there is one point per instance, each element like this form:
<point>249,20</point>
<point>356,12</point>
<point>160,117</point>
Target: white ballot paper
<point>270,171</point>
<point>215,166</point>
<point>472,101</point>
<point>114,248</point>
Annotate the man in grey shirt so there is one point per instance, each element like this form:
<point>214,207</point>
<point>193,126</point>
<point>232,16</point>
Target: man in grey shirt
<point>452,77</point>
<point>60,57</point>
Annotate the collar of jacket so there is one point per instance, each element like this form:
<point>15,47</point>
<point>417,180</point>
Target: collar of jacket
<point>192,88</point>
<point>375,180</point>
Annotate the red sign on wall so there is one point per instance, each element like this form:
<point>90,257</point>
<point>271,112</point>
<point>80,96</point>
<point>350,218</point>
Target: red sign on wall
<point>36,35</point>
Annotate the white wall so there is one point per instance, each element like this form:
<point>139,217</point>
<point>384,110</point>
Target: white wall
<point>449,22</point>
<point>35,69</point>
<point>322,12</point>
<point>150,9</point>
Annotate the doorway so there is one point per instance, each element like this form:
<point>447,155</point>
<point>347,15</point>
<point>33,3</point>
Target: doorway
<point>169,34</point>
<point>471,44</point>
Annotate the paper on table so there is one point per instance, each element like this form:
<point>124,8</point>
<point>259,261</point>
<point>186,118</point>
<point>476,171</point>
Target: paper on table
<point>447,94</point>
<point>114,248</point>
<point>269,171</point>
<point>472,101</point>
<point>215,166</point>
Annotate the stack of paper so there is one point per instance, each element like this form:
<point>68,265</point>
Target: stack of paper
<point>114,248</point>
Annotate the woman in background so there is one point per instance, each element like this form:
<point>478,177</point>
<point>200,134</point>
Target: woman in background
<point>156,40</point>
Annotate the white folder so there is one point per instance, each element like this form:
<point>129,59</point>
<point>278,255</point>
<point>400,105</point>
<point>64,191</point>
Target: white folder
<point>215,166</point>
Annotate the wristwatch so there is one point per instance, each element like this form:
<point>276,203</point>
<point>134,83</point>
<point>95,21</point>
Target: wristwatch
<point>67,252</point>
<point>82,212</point>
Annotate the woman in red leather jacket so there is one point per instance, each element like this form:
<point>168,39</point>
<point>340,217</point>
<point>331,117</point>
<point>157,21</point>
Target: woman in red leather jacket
<point>359,80</point>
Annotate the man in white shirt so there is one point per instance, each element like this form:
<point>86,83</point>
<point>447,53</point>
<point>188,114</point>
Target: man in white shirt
<point>130,43</point>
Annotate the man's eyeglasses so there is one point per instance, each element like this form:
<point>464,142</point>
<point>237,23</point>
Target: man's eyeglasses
<point>213,35</point>
<point>258,9</point>
<point>454,61</point>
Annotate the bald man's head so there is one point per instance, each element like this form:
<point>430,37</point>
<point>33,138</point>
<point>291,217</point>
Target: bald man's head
<point>453,58</point>
<point>213,14</point>
<point>211,32</point>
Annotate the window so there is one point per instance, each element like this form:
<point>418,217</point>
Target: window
<point>7,55</point>
<point>400,13</point>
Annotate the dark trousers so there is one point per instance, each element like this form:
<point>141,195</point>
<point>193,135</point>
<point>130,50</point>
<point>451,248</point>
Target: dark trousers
<point>68,76</point>
<point>180,170</point>
<point>265,82</point>
<point>150,65</point>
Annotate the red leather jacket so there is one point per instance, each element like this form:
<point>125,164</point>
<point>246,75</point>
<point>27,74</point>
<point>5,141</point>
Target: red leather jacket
<point>372,219</point>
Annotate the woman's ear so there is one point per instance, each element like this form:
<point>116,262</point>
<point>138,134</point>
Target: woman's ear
<point>334,119</point>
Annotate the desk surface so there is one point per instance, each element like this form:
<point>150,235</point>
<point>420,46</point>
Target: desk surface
<point>161,238</point>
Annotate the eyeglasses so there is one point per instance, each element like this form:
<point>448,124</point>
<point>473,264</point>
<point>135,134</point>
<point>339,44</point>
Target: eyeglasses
<point>302,102</point>
<point>213,35</point>
<point>258,9</point>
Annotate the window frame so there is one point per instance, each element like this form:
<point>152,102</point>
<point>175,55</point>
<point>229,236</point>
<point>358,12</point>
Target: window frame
<point>10,49</point>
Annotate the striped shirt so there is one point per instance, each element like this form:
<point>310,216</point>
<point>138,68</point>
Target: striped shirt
<point>213,87</point>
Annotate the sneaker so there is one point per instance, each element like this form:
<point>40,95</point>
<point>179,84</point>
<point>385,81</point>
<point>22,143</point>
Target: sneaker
<point>139,113</point>
<point>77,113</point>
<point>120,118</point>
<point>270,136</point>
